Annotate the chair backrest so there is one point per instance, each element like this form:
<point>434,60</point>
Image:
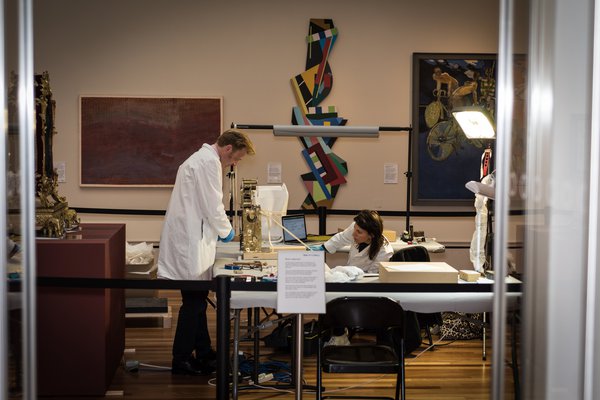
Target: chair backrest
<point>411,253</point>
<point>362,312</point>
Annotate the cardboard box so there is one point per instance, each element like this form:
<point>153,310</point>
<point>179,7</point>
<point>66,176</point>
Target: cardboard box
<point>390,235</point>
<point>417,272</point>
<point>469,275</point>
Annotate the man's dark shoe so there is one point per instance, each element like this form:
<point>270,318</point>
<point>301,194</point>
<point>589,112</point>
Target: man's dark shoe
<point>206,366</point>
<point>210,355</point>
<point>186,368</point>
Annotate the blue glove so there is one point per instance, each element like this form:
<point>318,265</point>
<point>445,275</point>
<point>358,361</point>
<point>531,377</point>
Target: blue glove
<point>227,239</point>
<point>317,247</point>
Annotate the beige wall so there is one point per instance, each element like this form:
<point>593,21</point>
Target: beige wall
<point>246,52</point>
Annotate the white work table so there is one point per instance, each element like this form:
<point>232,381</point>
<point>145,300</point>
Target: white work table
<point>423,302</point>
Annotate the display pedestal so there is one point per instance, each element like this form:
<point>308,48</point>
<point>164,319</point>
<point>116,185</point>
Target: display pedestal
<point>80,331</point>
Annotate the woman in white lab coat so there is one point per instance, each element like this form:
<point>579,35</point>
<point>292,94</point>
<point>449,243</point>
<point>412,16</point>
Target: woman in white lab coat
<point>368,246</point>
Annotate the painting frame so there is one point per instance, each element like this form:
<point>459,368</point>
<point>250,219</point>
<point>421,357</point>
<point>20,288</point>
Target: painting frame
<point>444,160</point>
<point>140,141</point>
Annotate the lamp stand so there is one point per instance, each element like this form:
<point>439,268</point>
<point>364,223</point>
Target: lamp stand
<point>350,132</point>
<point>489,239</point>
<point>409,176</point>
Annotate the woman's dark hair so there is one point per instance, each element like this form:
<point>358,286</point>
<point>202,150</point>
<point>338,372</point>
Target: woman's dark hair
<point>372,223</point>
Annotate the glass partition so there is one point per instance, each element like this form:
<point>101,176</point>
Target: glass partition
<point>557,298</point>
<point>12,360</point>
<point>516,183</point>
<point>18,254</point>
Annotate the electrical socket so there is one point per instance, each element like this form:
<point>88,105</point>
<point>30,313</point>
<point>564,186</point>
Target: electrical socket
<point>61,167</point>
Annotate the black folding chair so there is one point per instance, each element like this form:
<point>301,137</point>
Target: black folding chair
<point>380,314</point>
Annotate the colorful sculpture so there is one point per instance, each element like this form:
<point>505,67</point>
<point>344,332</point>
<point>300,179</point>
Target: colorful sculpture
<point>327,170</point>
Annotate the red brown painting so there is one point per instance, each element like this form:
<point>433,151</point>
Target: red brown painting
<point>141,141</point>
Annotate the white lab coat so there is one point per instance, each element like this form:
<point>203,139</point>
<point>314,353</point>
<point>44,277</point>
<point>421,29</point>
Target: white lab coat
<point>194,219</point>
<point>356,258</point>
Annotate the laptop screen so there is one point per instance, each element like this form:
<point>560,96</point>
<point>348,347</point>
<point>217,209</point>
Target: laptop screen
<point>295,224</point>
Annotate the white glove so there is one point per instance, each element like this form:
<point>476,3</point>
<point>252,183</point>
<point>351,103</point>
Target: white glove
<point>354,273</point>
<point>336,276</point>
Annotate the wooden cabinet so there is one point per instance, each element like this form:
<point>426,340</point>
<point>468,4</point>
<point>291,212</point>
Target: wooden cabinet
<point>80,331</point>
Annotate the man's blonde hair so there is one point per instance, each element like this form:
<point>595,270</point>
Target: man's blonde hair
<point>238,141</point>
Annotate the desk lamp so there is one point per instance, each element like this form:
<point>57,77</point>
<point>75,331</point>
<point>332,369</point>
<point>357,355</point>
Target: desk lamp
<point>484,189</point>
<point>475,122</point>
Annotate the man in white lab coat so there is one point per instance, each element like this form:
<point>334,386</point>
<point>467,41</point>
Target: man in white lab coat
<point>194,221</point>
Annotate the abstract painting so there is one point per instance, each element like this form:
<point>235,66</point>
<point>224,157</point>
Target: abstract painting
<point>311,87</point>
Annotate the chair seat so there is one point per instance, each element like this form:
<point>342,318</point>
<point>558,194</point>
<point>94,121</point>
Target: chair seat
<point>359,358</point>
<point>372,314</point>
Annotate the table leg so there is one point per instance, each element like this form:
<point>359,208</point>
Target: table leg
<point>249,328</point>
<point>256,337</point>
<point>299,355</point>
<point>223,301</point>
<point>235,365</point>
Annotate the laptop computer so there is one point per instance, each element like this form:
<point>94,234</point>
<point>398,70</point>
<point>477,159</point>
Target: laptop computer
<point>295,224</point>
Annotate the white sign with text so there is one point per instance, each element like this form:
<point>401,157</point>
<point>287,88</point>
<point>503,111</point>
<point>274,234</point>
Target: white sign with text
<point>301,282</point>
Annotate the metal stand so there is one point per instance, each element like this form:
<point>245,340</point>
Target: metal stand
<point>489,256</point>
<point>408,172</point>
<point>484,350</point>
<point>322,213</point>
<point>233,198</point>
<point>297,357</point>
<point>409,175</point>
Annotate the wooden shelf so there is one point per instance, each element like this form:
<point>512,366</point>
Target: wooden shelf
<point>167,317</point>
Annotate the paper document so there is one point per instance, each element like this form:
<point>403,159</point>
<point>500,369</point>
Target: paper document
<point>274,172</point>
<point>390,173</point>
<point>301,282</point>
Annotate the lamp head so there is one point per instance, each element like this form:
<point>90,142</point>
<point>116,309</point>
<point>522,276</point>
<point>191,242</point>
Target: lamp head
<point>483,189</point>
<point>474,122</point>
<point>326,130</point>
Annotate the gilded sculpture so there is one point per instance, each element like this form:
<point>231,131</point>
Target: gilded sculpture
<point>53,218</point>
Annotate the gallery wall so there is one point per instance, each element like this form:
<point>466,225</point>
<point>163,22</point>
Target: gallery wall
<point>246,52</point>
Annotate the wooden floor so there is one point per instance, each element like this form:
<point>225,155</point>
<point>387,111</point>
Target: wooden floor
<point>454,371</point>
